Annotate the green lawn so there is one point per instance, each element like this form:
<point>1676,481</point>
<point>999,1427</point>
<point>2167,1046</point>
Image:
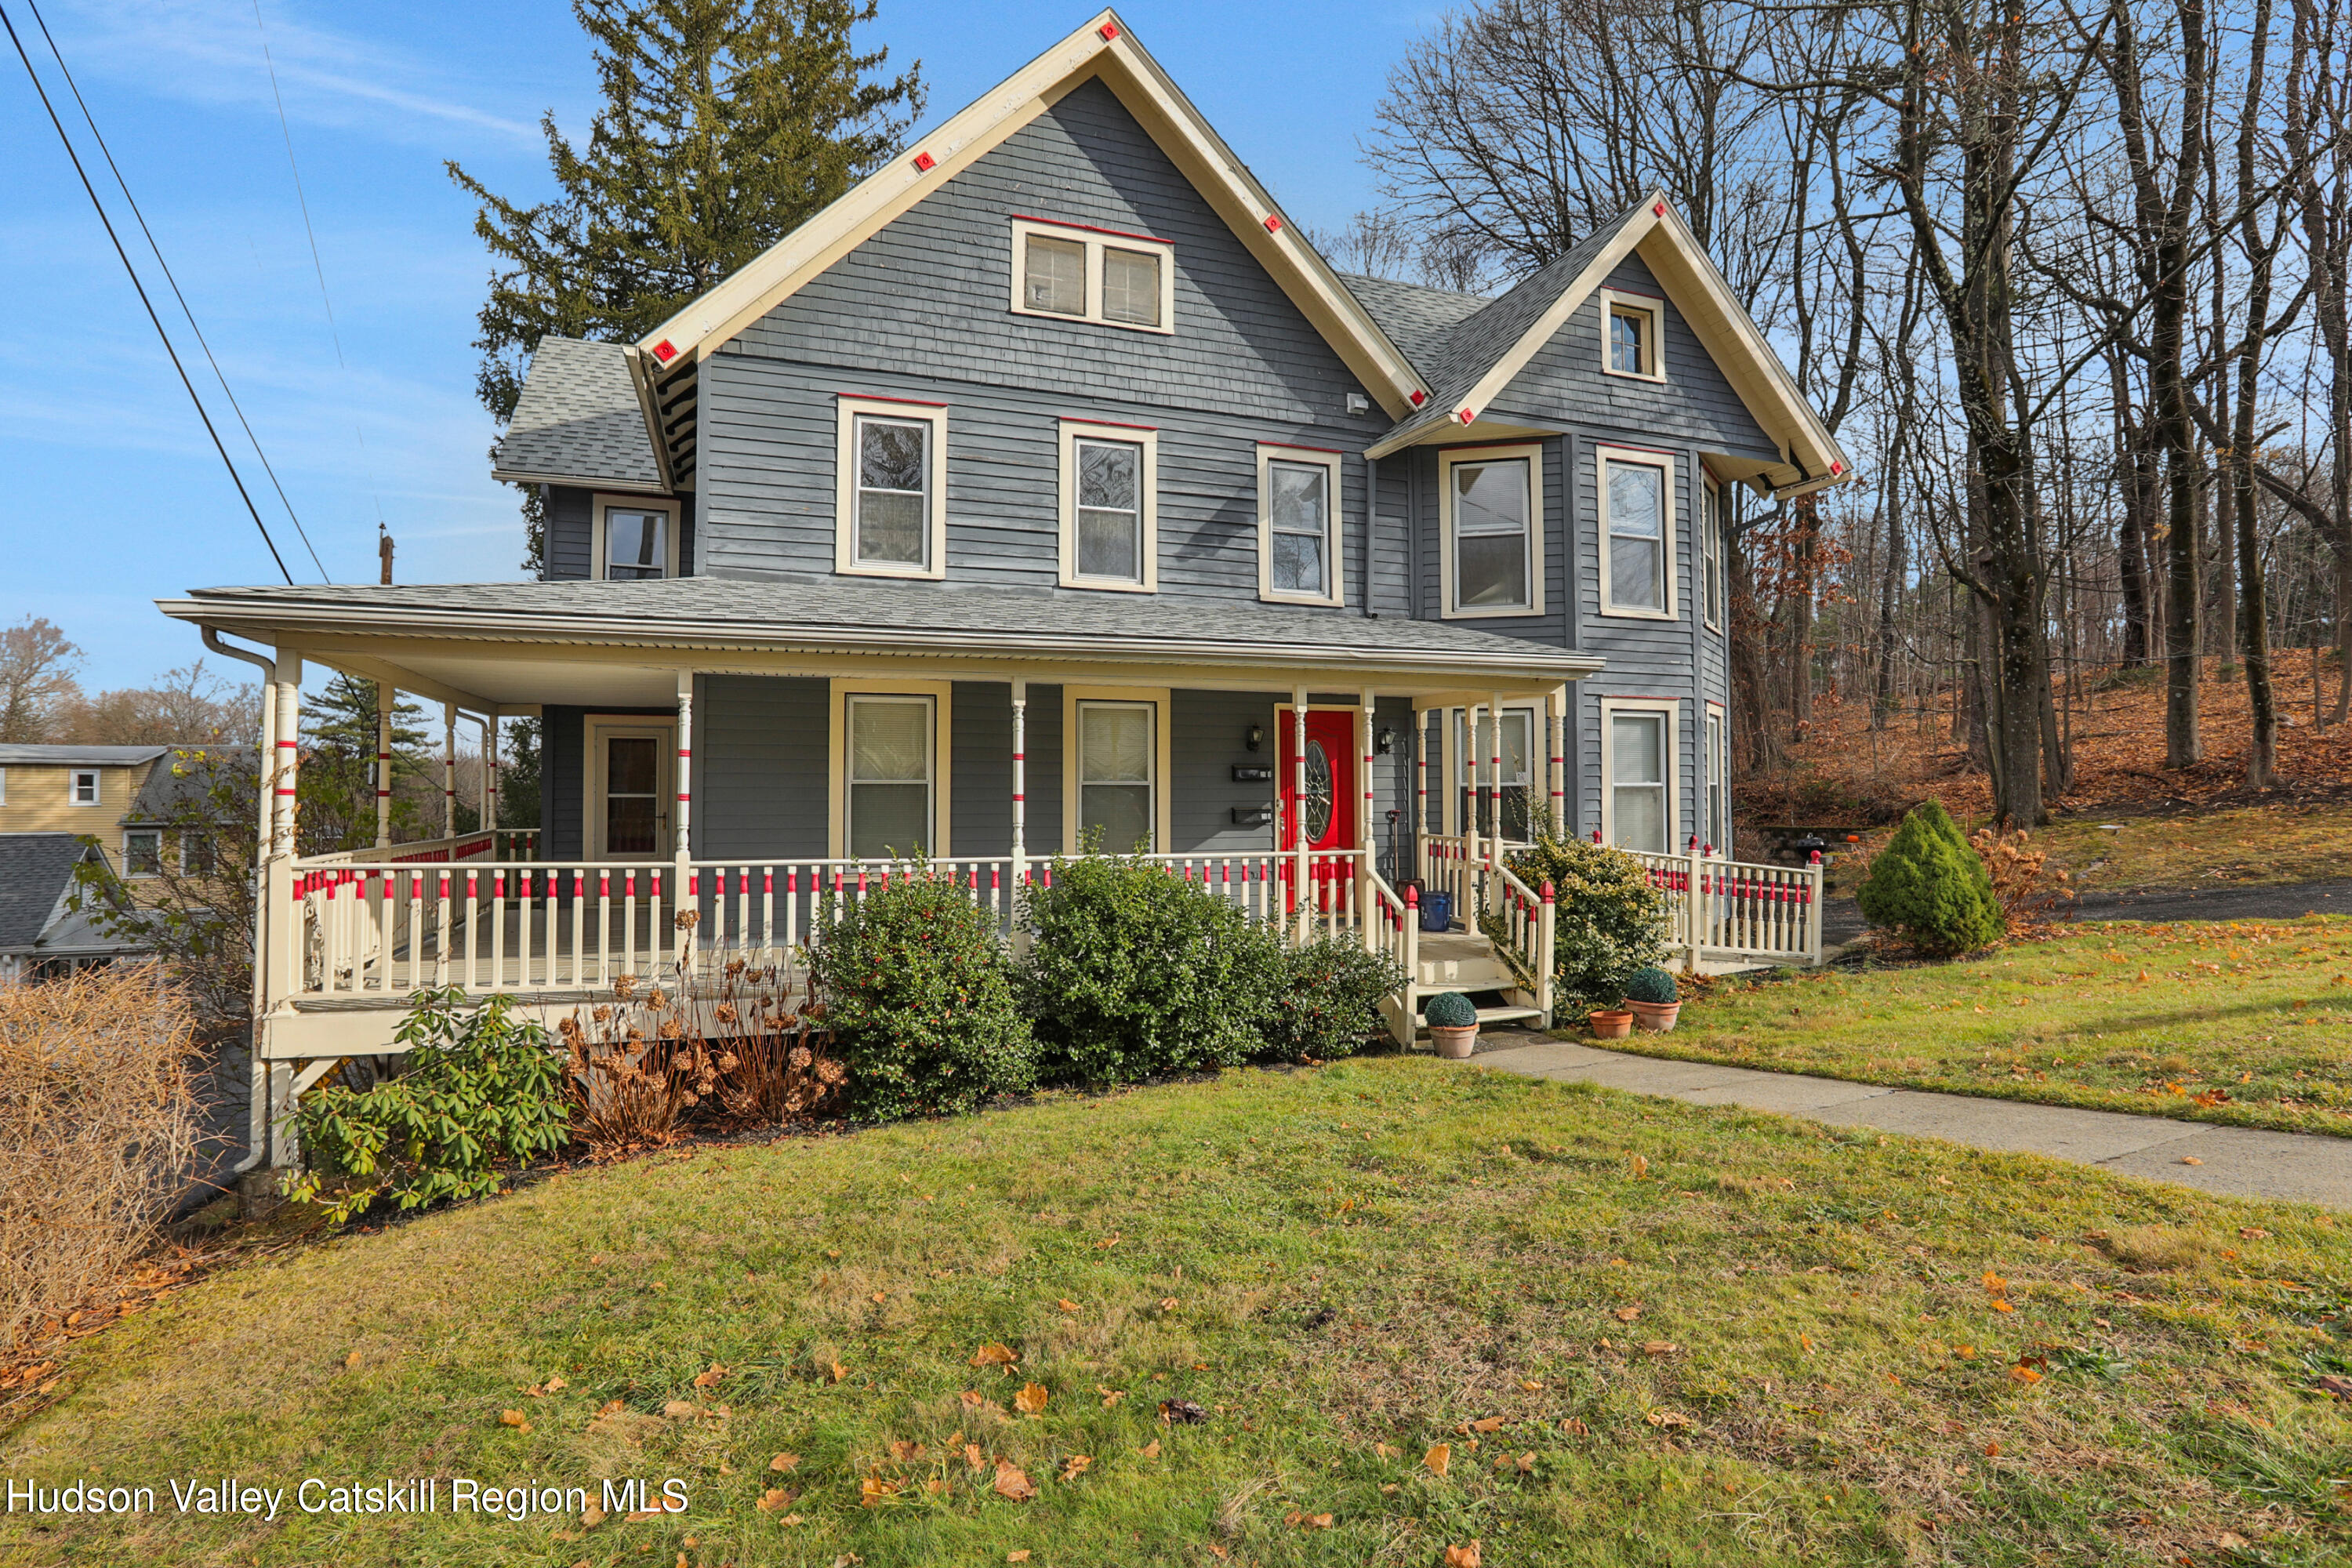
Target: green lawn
<point>1644,1334</point>
<point>2246,1023</point>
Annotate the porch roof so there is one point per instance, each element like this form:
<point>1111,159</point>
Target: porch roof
<point>819,617</point>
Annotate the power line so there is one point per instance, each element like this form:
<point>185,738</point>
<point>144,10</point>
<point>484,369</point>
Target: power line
<point>91,191</point>
<point>100,136</point>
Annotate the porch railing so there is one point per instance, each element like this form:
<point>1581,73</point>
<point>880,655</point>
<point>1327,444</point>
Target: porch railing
<point>385,925</point>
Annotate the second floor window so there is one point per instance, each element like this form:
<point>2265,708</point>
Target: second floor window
<point>1637,534</point>
<point>1491,529</point>
<point>1083,273</point>
<point>1298,525</point>
<point>636,543</point>
<point>893,492</point>
<point>1054,275</point>
<point>81,786</point>
<point>142,852</point>
<point>1111,511</point>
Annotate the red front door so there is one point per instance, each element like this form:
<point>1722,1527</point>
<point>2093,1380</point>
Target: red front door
<point>1329,804</point>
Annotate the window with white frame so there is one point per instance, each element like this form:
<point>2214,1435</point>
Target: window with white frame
<point>1717,516</point>
<point>142,852</point>
<point>1115,748</point>
<point>1637,533</point>
<point>891,502</point>
<point>1632,326</point>
<point>1638,743</point>
<point>1506,790</point>
<point>1719,782</point>
<point>1109,510</point>
<point>1299,541</point>
<point>890,770</point>
<point>82,787</point>
<point>1491,501</point>
<point>1089,274</point>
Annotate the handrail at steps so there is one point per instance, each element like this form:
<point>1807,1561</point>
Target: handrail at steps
<point>1523,931</point>
<point>1395,930</point>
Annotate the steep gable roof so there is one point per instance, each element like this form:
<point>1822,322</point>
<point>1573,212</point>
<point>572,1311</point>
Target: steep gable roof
<point>36,874</point>
<point>665,360</point>
<point>1416,317</point>
<point>1472,365</point>
<point>579,421</point>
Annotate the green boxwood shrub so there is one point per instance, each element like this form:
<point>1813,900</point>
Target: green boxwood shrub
<point>1651,984</point>
<point>1608,920</point>
<point>1328,1003</point>
<point>1450,1010</point>
<point>480,1088</point>
<point>1132,972</point>
<point>918,996</point>
<point>1930,887</point>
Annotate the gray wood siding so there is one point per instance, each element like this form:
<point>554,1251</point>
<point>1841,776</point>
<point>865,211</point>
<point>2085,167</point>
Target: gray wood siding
<point>760,765</point>
<point>980,804</point>
<point>1208,737</point>
<point>570,532</point>
<point>920,311</point>
<point>562,736</point>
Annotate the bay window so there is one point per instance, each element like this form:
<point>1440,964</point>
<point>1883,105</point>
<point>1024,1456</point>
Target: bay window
<point>1491,500</point>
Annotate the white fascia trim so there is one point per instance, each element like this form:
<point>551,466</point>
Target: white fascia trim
<point>1104,43</point>
<point>577,481</point>
<point>848,410</point>
<point>1635,458</point>
<point>1334,565</point>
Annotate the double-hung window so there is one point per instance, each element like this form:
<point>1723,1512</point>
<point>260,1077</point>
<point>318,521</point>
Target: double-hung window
<point>82,787</point>
<point>1298,537</point>
<point>1110,512</point>
<point>890,775</point>
<point>1637,533</point>
<point>1714,516</point>
<point>1718,782</point>
<point>1116,749</point>
<point>890,504</point>
<point>142,852</point>
<point>1492,499</point>
<point>1632,328</point>
<point>1087,274</point>
<point>1638,750</point>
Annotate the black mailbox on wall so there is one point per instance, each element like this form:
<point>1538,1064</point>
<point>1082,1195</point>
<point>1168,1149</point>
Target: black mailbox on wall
<point>1252,815</point>
<point>1248,773</point>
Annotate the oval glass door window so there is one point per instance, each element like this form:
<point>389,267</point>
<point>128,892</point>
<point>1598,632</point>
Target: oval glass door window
<point>1317,801</point>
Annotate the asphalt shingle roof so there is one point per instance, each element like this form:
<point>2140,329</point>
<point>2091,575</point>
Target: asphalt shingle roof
<point>16,754</point>
<point>578,418</point>
<point>675,609</point>
<point>1415,317</point>
<point>34,867</point>
<point>181,785</point>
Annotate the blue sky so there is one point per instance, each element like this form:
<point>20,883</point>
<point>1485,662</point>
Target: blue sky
<point>115,495</point>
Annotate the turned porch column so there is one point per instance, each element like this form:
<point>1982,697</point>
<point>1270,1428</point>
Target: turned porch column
<point>384,698</point>
<point>1556,711</point>
<point>684,896</point>
<point>1365,913</point>
<point>1474,813</point>
<point>448,770</point>
<point>1020,784</point>
<point>1302,904</point>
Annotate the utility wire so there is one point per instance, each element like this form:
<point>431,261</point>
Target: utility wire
<point>91,191</point>
<point>99,137</point>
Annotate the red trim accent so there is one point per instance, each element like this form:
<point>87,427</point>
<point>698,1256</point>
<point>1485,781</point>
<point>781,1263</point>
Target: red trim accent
<point>1274,223</point>
<point>907,402</point>
<point>1837,467</point>
<point>1107,424</point>
<point>925,163</point>
<point>1291,447</point>
<point>665,351</point>
<point>1469,416</point>
<point>1109,31</point>
<point>1417,395</point>
<point>1660,210</point>
<point>1093,228</point>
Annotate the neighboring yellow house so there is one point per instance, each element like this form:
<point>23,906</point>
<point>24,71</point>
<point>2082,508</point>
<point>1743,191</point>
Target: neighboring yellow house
<point>73,789</point>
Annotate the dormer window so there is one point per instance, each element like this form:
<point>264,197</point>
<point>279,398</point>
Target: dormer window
<point>1087,274</point>
<point>1633,328</point>
<point>636,539</point>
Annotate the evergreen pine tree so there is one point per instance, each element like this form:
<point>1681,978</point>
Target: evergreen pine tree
<point>724,124</point>
<point>1931,885</point>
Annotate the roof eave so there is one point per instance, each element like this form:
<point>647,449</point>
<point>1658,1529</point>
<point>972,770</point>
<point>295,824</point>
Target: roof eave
<point>579,481</point>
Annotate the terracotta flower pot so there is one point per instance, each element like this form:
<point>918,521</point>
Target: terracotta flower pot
<point>1654,1017</point>
<point>1609,1026</point>
<point>1455,1045</point>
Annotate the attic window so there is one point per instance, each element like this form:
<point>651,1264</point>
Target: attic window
<point>81,787</point>
<point>1087,274</point>
<point>1632,339</point>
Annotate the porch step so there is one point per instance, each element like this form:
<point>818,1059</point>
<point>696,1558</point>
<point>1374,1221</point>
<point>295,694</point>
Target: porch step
<point>1489,1017</point>
<point>1461,961</point>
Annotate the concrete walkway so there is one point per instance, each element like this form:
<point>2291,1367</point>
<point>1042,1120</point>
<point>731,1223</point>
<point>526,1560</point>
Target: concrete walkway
<point>2241,1162</point>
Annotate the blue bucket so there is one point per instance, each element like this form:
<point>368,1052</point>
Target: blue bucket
<point>1436,911</point>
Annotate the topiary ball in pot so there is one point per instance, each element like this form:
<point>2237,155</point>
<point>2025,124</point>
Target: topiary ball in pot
<point>1652,998</point>
<point>1453,1025</point>
<point>1650,984</point>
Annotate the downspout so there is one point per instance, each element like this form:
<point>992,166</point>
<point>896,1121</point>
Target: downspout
<point>256,1126</point>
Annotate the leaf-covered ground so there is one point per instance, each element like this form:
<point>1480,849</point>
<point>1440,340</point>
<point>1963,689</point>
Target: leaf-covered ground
<point>2239,1022</point>
<point>1627,1332</point>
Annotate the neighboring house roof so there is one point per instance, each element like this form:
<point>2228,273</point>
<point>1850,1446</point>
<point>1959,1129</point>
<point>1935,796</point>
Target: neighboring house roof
<point>579,421</point>
<point>30,756</point>
<point>838,614</point>
<point>36,884</point>
<point>1470,368</point>
<point>1415,316</point>
<point>183,786</point>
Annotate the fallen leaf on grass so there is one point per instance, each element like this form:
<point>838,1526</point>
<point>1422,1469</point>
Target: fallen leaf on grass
<point>513,1418</point>
<point>1627,1314</point>
<point>1012,1483</point>
<point>1575,1428</point>
<point>1530,1386</point>
<point>774,1498</point>
<point>1527,1463</point>
<point>1018,1555</point>
<point>1992,1450</point>
<point>351,1361</point>
<point>677,1410</point>
<point>2190,1160</point>
<point>709,1379</point>
<point>1032,1399</point>
<point>785,1462</point>
<point>1107,1241</point>
<point>1491,1423</point>
<point>836,1372</point>
<point>1077,1465</point>
<point>904,1451</point>
<point>1110,1396</point>
<point>1659,1347</point>
<point>1067,1304</point>
<point>1463,1556</point>
<point>1641,1167</point>
<point>872,1490</point>
<point>1166,1303</point>
<point>993,1354</point>
<point>1300,1520</point>
<point>2002,1307</point>
<point>1665,1419</point>
<point>1439,1458</point>
<point>1150,1450</point>
<point>2025,1374</point>
<point>2333,1386</point>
